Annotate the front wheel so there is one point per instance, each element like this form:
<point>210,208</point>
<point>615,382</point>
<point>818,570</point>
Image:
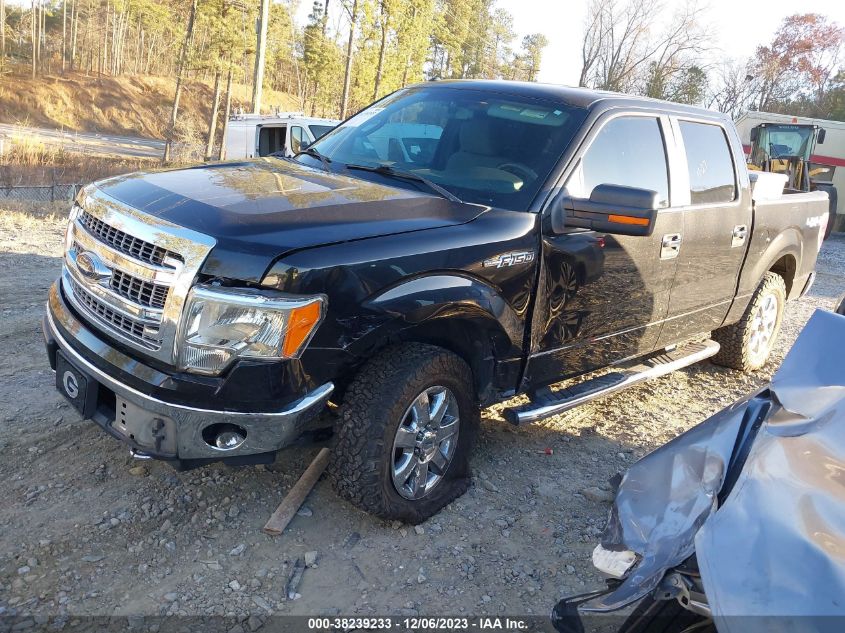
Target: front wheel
<point>408,424</point>
<point>748,343</point>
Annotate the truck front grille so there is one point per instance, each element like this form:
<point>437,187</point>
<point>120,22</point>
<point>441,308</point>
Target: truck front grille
<point>133,246</point>
<point>128,273</point>
<point>147,293</point>
<point>124,324</point>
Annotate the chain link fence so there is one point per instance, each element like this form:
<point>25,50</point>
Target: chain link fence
<point>40,193</point>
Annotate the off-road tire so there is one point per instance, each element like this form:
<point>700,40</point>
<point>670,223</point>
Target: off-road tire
<point>374,405</point>
<point>735,339</point>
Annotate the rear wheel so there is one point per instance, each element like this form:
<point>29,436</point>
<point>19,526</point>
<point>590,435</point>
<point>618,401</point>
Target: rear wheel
<point>747,344</point>
<point>408,424</point>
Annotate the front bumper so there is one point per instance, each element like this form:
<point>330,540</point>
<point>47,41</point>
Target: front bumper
<point>157,428</point>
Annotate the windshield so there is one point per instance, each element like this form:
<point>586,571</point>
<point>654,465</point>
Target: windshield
<point>318,131</point>
<point>483,147</point>
<point>789,141</point>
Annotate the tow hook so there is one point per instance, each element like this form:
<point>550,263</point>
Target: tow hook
<point>139,454</point>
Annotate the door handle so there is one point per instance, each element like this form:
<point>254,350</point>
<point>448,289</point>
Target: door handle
<point>670,246</point>
<point>738,235</point>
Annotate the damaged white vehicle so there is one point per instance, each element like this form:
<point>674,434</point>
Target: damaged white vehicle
<point>738,525</point>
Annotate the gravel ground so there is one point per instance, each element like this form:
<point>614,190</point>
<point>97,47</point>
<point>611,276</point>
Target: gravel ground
<point>88,531</point>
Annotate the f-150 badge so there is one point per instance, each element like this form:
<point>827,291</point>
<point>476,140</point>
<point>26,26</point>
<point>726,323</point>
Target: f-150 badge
<point>509,259</point>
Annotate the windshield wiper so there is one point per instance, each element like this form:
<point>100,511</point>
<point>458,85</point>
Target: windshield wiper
<point>387,170</point>
<point>310,151</point>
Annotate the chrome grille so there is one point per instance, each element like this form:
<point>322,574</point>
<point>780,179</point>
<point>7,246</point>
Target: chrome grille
<point>133,246</point>
<point>128,273</point>
<point>146,293</point>
<point>127,325</point>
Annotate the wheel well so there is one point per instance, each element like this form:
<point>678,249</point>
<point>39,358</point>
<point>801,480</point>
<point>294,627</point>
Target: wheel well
<point>785,267</point>
<point>474,340</point>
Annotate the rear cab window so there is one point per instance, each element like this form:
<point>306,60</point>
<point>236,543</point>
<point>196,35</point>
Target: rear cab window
<point>712,177</point>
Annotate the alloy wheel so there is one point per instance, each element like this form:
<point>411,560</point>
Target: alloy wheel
<point>425,442</point>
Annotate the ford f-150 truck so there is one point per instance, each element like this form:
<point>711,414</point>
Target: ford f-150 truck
<point>451,246</point>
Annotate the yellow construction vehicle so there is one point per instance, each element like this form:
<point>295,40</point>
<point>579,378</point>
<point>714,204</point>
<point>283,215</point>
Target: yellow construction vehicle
<point>786,148</point>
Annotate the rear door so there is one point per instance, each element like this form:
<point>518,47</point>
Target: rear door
<point>602,297</point>
<point>716,230</point>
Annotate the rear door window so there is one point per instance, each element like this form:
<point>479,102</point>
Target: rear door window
<point>711,169</point>
<point>628,151</point>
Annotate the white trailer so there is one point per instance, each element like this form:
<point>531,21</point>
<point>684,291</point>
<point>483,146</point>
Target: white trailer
<point>254,135</point>
<point>827,163</point>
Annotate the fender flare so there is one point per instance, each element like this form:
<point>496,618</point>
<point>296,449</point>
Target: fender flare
<point>787,242</point>
<point>441,296</point>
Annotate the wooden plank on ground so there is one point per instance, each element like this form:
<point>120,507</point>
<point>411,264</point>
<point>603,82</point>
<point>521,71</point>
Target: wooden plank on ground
<point>290,504</point>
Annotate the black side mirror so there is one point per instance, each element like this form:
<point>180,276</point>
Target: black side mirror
<point>304,145</point>
<point>840,307</point>
<point>614,209</point>
<point>755,134</point>
<point>820,137</point>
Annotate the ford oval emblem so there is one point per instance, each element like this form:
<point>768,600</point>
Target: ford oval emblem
<point>92,267</point>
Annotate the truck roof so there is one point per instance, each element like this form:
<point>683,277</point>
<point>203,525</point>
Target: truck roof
<point>578,97</point>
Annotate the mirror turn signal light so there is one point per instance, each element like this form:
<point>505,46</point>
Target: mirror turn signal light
<point>627,219</point>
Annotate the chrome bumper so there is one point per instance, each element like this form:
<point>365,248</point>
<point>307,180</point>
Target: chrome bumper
<point>168,430</point>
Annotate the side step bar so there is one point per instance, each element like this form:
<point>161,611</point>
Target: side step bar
<point>549,403</point>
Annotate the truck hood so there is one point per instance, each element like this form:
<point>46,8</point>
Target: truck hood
<point>259,210</point>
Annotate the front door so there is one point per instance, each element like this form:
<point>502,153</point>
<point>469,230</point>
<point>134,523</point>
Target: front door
<point>602,297</point>
<point>716,232</point>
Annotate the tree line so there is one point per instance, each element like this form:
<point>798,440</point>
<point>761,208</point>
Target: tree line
<point>349,53</point>
<point>625,49</point>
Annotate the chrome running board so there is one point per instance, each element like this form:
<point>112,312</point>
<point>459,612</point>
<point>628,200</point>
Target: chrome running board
<point>549,403</point>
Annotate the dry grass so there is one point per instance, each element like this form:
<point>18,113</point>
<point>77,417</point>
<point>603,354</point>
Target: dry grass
<point>129,105</point>
<point>19,217</point>
<point>29,162</point>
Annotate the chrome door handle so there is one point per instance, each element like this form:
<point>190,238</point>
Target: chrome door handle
<point>670,246</point>
<point>738,235</point>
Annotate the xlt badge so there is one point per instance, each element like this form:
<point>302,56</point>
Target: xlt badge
<point>509,259</point>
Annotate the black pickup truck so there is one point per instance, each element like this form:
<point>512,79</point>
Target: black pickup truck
<point>450,246</point>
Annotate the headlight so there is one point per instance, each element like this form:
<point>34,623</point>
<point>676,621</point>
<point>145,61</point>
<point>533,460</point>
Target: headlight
<point>222,324</point>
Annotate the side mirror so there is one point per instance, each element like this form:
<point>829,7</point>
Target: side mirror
<point>755,134</point>
<point>613,209</point>
<point>822,134</point>
<point>840,307</point>
<point>304,145</point>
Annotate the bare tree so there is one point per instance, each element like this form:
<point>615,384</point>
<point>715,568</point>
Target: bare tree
<point>212,124</point>
<point>34,39</point>
<point>2,33</point>
<point>180,76</point>
<point>260,56</point>
<point>595,39</point>
<point>622,51</point>
<point>732,88</point>
<point>347,77</point>
<point>227,112</point>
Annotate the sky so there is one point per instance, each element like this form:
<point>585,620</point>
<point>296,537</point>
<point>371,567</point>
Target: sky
<point>739,26</point>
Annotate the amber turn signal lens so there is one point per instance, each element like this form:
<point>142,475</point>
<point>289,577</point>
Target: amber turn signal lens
<point>301,323</point>
<point>627,219</point>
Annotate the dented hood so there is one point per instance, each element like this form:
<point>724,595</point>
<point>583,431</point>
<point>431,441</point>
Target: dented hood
<point>260,209</point>
<point>775,547</point>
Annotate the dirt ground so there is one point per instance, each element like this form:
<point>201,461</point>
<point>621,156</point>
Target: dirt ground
<point>86,530</point>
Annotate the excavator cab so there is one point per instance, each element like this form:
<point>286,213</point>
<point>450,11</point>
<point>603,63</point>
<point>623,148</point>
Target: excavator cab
<point>785,148</point>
